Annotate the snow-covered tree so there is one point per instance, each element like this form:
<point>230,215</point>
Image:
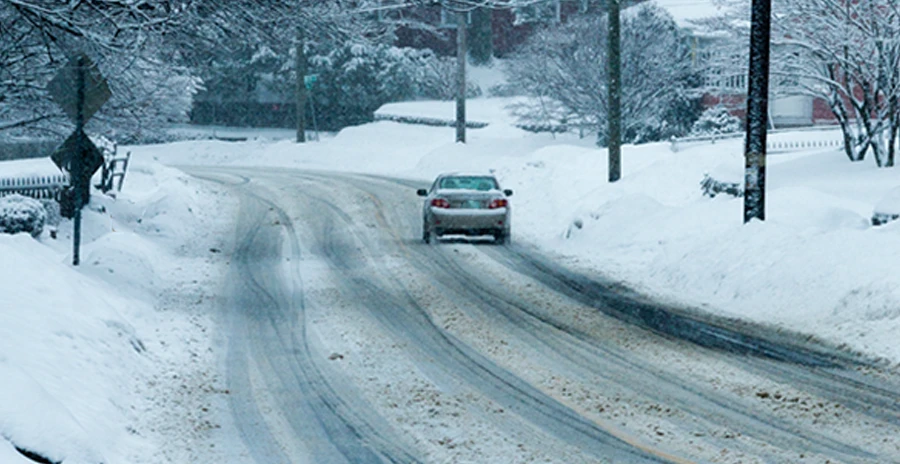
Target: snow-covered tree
<point>122,38</point>
<point>846,53</point>
<point>436,78</point>
<point>564,63</point>
<point>244,46</point>
<point>355,79</point>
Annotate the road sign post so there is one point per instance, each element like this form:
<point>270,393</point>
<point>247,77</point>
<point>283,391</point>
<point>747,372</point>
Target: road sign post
<point>80,90</point>
<point>309,81</point>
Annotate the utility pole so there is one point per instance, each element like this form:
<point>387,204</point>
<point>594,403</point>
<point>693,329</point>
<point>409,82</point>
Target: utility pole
<point>614,80</point>
<point>757,112</point>
<point>300,69</point>
<point>461,77</point>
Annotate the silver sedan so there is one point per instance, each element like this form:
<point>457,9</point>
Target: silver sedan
<point>466,204</point>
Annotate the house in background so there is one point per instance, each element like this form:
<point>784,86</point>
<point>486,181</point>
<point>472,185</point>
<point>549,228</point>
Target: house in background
<point>725,73</point>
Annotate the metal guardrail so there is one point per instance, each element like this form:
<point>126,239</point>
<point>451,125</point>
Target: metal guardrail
<point>38,187</point>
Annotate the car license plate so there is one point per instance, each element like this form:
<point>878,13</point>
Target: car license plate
<point>472,204</point>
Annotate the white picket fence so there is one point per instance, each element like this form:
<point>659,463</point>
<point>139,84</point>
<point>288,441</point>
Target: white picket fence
<point>38,187</point>
<point>811,138</point>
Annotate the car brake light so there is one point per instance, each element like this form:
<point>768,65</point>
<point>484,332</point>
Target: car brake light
<point>498,203</point>
<point>440,203</point>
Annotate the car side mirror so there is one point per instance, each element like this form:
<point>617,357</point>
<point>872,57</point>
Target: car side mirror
<point>422,192</point>
<point>507,192</point>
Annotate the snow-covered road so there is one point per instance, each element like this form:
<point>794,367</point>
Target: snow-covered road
<point>350,341</point>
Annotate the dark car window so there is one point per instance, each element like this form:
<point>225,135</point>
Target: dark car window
<point>469,183</point>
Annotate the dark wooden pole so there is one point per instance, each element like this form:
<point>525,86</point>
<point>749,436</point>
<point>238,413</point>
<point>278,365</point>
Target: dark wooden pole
<point>461,77</point>
<point>614,115</point>
<point>300,69</point>
<point>757,113</point>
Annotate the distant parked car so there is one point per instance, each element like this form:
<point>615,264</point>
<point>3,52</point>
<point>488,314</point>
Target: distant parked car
<point>466,204</point>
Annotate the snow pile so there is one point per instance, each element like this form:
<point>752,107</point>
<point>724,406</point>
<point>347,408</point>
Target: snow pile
<point>82,349</point>
<point>66,357</point>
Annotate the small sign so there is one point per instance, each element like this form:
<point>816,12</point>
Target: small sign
<point>64,87</point>
<point>309,80</point>
<point>91,157</point>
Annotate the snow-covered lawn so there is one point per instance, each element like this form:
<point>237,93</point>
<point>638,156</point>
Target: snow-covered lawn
<point>99,360</point>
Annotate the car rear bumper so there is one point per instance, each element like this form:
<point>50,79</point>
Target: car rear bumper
<point>469,221</point>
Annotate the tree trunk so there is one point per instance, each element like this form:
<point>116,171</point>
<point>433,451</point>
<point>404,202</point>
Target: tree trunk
<point>894,126</point>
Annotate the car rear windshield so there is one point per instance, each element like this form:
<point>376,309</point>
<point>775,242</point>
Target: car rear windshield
<point>469,183</point>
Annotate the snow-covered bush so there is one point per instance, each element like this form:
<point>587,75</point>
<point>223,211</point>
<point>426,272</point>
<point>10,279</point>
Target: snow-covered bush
<point>716,120</point>
<point>712,187</point>
<point>21,214</point>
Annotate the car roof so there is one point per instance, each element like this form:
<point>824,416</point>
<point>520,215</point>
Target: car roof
<point>467,174</point>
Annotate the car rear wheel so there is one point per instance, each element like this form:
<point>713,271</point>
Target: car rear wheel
<point>426,235</point>
<point>501,238</point>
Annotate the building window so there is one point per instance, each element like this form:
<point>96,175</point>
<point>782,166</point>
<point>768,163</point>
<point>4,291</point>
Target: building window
<point>539,12</point>
<point>736,81</point>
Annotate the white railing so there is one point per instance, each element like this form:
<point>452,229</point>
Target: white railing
<point>38,187</point>
<point>678,143</point>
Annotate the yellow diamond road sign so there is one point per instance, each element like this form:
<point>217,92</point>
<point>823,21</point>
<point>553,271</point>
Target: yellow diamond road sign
<point>64,87</point>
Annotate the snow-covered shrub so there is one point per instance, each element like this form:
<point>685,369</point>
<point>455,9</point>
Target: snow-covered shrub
<point>716,120</point>
<point>712,187</point>
<point>21,214</point>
